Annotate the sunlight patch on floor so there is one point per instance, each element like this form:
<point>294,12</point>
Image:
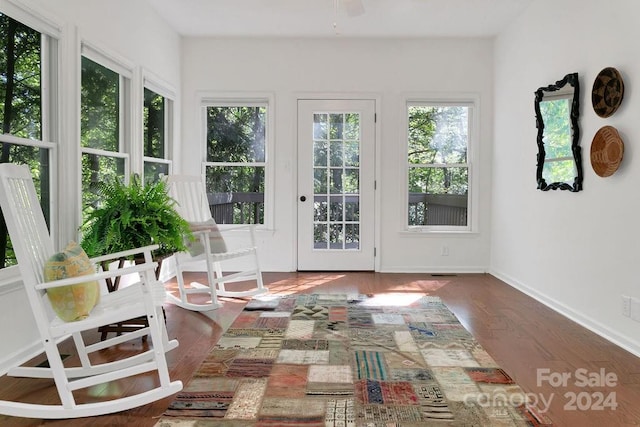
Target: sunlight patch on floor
<point>392,299</point>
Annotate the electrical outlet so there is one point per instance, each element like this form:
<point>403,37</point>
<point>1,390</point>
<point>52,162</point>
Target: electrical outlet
<point>626,306</point>
<point>444,251</point>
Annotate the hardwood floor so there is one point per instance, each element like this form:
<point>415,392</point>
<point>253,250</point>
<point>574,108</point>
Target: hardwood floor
<point>532,343</point>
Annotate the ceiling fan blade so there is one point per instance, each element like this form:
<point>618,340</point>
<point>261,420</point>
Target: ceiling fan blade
<point>354,7</point>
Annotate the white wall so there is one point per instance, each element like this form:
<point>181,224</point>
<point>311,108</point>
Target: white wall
<point>387,69</point>
<point>128,29</point>
<point>578,252</point>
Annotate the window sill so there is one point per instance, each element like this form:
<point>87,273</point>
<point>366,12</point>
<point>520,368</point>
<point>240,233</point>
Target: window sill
<point>426,232</point>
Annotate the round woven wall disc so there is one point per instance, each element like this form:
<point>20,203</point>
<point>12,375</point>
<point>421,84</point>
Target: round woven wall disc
<point>607,93</point>
<point>606,151</point>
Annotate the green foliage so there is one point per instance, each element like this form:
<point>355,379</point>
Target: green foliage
<point>99,106</point>
<point>559,165</point>
<point>134,215</point>
<point>237,135</point>
<point>557,127</point>
<point>20,98</point>
<point>437,155</point>
<point>21,112</point>
<point>153,119</point>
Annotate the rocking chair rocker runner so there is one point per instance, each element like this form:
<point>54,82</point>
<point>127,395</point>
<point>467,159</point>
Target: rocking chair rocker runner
<point>192,204</point>
<point>33,246</point>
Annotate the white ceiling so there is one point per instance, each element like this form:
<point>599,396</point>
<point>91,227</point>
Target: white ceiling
<point>316,18</point>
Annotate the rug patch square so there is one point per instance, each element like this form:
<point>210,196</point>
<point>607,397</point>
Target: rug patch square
<point>250,368</point>
<point>338,314</point>
<point>272,322</point>
<point>287,381</point>
<point>422,331</point>
<point>447,357</point>
<point>238,342</point>
<point>246,402</point>
<point>216,363</point>
<point>300,329</point>
<point>373,339</point>
<point>304,357</point>
<point>330,380</point>
<point>299,409</point>
<point>370,365</point>
<point>387,319</point>
<point>245,320</point>
<point>200,404</point>
<point>404,342</point>
<point>388,415</point>
<point>404,360</point>
<point>222,384</point>
<point>330,374</point>
<point>340,413</point>
<point>489,375</point>
<point>359,318</point>
<point>295,344</point>
<point>258,353</point>
<point>412,375</point>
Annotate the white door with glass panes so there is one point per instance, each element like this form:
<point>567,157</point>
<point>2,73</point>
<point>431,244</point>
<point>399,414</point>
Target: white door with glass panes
<point>336,188</point>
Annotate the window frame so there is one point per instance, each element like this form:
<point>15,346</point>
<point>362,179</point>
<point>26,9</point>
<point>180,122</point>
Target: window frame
<point>50,83</point>
<point>156,85</point>
<point>473,142</point>
<point>235,99</point>
<point>125,71</point>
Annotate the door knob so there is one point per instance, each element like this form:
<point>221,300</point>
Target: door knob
<point>303,198</point>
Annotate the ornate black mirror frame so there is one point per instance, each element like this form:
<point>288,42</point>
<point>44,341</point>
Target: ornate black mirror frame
<point>572,80</point>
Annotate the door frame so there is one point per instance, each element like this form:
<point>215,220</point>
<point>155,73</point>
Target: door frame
<point>338,96</point>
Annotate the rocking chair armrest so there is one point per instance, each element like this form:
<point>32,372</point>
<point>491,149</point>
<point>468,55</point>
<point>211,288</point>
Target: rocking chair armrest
<point>99,275</point>
<point>124,254</point>
<point>249,227</point>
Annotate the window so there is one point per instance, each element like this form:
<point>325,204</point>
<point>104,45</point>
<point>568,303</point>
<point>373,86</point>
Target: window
<point>437,165</point>
<point>103,125</point>
<point>27,89</point>
<point>236,141</point>
<point>156,121</point>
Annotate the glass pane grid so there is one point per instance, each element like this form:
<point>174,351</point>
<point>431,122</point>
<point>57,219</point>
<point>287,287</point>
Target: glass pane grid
<point>336,173</point>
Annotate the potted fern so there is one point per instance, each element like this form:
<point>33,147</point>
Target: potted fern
<point>134,215</point>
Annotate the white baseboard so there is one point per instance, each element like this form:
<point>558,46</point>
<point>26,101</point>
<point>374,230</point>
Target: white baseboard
<point>605,332</point>
<point>435,269</point>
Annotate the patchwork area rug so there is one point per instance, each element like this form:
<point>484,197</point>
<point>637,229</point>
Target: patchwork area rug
<point>349,360</point>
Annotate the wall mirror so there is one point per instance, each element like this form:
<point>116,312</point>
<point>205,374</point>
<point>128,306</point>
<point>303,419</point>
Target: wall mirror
<point>559,153</point>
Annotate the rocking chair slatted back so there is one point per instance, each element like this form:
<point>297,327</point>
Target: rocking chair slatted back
<point>194,205</point>
<point>29,220</point>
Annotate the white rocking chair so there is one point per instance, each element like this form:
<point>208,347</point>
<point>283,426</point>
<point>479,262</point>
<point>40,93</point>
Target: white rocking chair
<point>192,204</point>
<point>33,246</point>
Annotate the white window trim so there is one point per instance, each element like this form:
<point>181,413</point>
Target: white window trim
<point>107,59</point>
<point>30,17</point>
<point>207,99</point>
<point>471,100</point>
